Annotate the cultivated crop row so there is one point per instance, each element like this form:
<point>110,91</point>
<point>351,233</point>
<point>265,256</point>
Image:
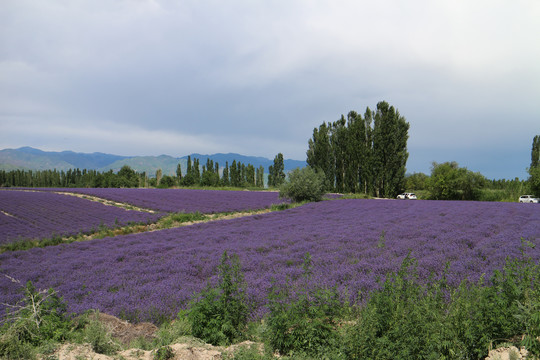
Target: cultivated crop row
<point>184,200</point>
<point>39,215</point>
<point>150,276</point>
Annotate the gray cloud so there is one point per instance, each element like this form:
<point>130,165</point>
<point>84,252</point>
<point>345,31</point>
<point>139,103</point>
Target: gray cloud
<point>150,77</point>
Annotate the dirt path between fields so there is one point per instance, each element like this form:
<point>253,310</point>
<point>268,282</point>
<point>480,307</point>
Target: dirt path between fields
<point>107,202</point>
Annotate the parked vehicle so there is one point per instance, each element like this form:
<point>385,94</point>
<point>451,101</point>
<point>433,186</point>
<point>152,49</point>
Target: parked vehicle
<point>528,199</point>
<point>404,196</point>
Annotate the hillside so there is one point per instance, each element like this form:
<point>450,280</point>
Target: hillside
<point>27,158</point>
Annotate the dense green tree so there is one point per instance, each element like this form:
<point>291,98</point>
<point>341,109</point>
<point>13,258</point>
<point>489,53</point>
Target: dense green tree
<point>243,175</point>
<point>250,175</point>
<point>535,152</point>
<point>354,152</point>
<point>166,182</point>
<point>448,181</point>
<point>338,141</point>
<point>303,185</point>
<point>390,135</point>
<point>210,173</point>
<point>362,155</point>
<point>225,176</point>
<point>159,174</point>
<point>319,154</point>
<point>196,171</point>
<point>277,171</point>
<point>534,169</point>
<point>189,166</point>
<point>192,176</point>
<point>260,177</point>
<point>534,180</point>
<point>235,172</point>
<point>127,177</point>
<point>416,181</point>
<point>271,182</point>
<point>179,173</point>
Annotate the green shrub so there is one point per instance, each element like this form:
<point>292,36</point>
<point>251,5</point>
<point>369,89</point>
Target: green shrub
<point>406,319</point>
<point>170,332</point>
<point>96,334</point>
<point>39,317</point>
<point>305,321</point>
<point>218,315</point>
<point>303,185</point>
<point>399,321</point>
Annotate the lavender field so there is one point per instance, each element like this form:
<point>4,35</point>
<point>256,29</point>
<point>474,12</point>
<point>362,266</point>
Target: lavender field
<point>37,215</point>
<point>152,275</point>
<point>184,200</point>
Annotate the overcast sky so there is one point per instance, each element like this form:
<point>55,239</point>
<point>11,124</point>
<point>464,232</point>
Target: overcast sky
<point>143,77</point>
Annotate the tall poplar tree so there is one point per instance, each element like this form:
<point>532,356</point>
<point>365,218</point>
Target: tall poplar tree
<point>278,175</point>
<point>179,173</point>
<point>196,171</point>
<point>390,135</point>
<point>159,175</point>
<point>534,170</point>
<point>271,176</point>
<point>225,176</point>
<point>260,177</point>
<point>320,156</point>
<point>535,152</point>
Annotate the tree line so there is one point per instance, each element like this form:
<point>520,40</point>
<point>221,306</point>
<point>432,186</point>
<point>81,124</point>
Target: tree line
<point>449,181</point>
<point>368,154</point>
<point>362,154</point>
<point>210,174</point>
<point>126,177</point>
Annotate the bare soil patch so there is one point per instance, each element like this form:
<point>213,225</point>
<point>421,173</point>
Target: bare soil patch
<point>507,353</point>
<point>125,332</point>
<point>184,351</point>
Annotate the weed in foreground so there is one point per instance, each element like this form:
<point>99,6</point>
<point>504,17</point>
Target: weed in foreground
<point>218,315</point>
<point>304,322</point>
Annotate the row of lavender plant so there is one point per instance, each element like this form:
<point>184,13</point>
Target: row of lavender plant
<point>183,200</point>
<point>37,215</point>
<point>352,243</point>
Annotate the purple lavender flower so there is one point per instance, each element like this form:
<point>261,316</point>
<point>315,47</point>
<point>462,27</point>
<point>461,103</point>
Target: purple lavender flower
<point>352,243</point>
<point>32,215</point>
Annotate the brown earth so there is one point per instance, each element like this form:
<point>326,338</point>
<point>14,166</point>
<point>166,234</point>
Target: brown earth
<point>125,332</point>
<point>507,353</point>
<point>184,351</point>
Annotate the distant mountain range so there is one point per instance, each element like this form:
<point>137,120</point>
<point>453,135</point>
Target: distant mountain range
<point>27,158</point>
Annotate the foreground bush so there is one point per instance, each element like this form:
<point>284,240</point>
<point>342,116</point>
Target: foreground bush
<point>304,321</point>
<point>38,318</point>
<point>406,319</point>
<point>218,315</point>
<point>303,185</point>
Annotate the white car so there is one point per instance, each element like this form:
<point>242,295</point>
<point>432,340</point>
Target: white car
<point>528,199</point>
<point>410,196</point>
